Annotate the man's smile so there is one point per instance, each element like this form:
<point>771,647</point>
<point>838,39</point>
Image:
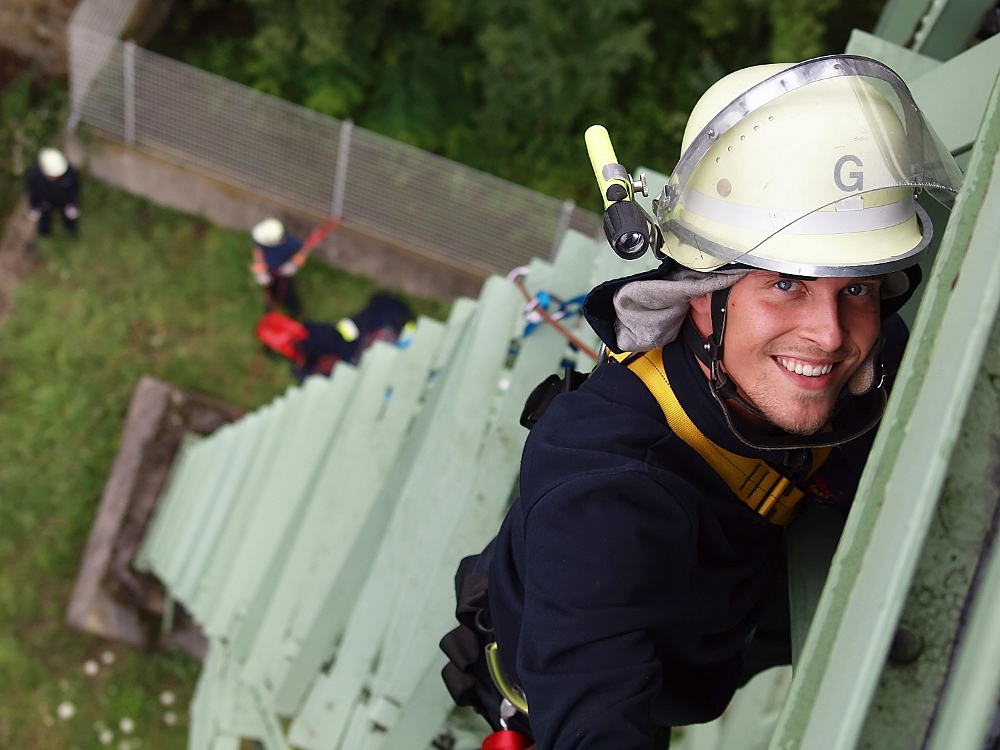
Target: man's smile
<point>808,375</point>
<point>802,367</point>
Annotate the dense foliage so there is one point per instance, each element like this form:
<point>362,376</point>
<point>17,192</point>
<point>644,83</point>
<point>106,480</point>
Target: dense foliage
<point>31,112</point>
<point>508,87</point>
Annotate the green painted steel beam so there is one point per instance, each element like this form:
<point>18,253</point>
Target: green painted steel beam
<point>424,515</point>
<point>418,622</point>
<point>811,542</point>
<point>970,699</point>
<point>953,96</point>
<point>344,505</point>
<point>949,26</point>
<point>343,566</point>
<point>897,498</point>
<point>313,414</point>
<point>148,558</point>
<point>366,399</point>
<point>909,64</point>
<point>900,19</point>
<point>908,693</point>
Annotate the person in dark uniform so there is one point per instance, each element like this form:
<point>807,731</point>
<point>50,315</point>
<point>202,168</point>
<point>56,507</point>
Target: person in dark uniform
<point>53,185</point>
<point>634,584</point>
<point>277,257</point>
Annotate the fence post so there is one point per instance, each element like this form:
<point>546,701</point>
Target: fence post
<point>128,84</point>
<point>340,176</point>
<point>568,208</point>
<point>73,55</point>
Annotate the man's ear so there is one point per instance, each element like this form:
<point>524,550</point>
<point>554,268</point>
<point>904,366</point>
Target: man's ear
<point>701,314</point>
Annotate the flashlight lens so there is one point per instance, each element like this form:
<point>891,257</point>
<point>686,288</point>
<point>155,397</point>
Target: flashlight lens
<point>626,229</point>
<point>629,243</point>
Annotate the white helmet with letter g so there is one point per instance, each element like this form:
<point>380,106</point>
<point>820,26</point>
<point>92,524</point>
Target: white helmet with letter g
<point>809,169</point>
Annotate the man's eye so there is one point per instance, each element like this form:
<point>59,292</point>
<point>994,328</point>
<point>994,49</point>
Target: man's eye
<point>857,290</point>
<point>785,285</point>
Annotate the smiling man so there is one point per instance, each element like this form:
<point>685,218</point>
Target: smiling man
<point>794,343</point>
<point>639,578</point>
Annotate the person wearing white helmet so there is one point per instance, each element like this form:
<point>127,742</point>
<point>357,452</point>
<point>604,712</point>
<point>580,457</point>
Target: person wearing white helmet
<point>53,185</point>
<point>277,257</point>
<point>639,578</point>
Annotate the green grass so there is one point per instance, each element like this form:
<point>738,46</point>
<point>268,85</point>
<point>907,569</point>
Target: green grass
<point>144,290</point>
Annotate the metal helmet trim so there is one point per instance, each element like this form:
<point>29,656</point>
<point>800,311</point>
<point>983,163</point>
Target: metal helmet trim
<point>724,255</point>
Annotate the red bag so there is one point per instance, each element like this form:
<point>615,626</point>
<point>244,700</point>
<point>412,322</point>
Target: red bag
<point>507,739</point>
<point>281,333</point>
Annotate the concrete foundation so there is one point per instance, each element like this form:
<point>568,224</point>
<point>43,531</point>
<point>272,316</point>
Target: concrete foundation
<point>188,189</point>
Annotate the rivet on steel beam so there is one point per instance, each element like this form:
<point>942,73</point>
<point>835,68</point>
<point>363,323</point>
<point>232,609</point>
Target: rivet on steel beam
<point>906,647</point>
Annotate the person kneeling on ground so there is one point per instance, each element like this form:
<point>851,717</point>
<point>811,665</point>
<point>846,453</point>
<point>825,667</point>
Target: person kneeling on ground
<point>314,347</point>
<point>639,578</point>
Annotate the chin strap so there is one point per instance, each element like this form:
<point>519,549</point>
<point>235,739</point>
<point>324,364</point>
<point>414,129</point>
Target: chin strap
<point>868,383</point>
<point>710,352</point>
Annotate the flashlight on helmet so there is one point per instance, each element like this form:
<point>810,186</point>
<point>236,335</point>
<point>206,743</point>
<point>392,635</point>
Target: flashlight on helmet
<point>625,224</point>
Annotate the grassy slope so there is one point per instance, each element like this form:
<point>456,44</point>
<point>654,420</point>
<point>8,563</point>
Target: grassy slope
<point>144,290</point>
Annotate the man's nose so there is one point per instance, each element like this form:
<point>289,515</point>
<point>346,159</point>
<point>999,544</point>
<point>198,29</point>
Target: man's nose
<point>821,322</point>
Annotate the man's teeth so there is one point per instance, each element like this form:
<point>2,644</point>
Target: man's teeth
<point>800,368</point>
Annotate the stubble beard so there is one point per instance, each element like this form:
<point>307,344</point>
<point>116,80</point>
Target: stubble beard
<point>804,414</point>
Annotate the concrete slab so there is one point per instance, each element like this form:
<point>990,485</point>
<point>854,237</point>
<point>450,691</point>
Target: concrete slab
<point>109,598</point>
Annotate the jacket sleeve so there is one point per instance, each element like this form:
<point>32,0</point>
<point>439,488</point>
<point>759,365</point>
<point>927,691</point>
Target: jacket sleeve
<point>602,554</point>
<point>72,187</point>
<point>37,197</point>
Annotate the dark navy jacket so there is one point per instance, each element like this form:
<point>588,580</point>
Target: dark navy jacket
<point>627,578</point>
<point>279,254</point>
<point>45,195</point>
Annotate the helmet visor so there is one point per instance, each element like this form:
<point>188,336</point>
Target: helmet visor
<point>814,172</point>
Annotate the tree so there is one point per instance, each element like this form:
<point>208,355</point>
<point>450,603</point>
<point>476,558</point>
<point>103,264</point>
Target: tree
<point>510,87</point>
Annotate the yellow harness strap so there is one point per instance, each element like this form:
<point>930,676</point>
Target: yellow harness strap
<point>753,481</point>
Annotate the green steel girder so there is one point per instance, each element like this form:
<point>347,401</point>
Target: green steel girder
<point>899,20</point>
<point>970,698</point>
<point>935,28</point>
<point>908,693</point>
<point>881,547</point>
<point>949,26</point>
<point>909,64</point>
<point>953,96</point>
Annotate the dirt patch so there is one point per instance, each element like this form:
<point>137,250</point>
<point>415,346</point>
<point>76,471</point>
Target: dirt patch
<point>17,259</point>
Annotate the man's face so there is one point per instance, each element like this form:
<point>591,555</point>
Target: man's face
<point>791,345</point>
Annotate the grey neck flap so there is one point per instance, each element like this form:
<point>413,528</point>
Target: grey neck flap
<point>650,312</point>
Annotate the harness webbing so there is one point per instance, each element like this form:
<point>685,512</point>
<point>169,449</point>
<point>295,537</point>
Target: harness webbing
<point>758,485</point>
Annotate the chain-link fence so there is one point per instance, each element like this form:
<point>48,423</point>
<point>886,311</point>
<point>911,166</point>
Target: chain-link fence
<point>305,160</point>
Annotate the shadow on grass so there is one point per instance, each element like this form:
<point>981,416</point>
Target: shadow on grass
<point>143,290</point>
